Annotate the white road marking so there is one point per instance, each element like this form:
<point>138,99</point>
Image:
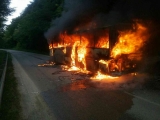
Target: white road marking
<point>142,99</point>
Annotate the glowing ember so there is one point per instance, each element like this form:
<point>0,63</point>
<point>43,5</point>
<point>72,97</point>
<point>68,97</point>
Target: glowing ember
<point>50,46</point>
<point>101,76</point>
<point>104,62</point>
<point>64,50</point>
<point>130,41</point>
<point>73,68</point>
<point>43,65</point>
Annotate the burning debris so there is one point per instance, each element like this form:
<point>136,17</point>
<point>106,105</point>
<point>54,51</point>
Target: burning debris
<point>47,64</point>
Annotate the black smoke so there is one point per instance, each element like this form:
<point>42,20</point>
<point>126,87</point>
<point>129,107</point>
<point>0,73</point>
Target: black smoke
<point>76,14</point>
<point>80,13</point>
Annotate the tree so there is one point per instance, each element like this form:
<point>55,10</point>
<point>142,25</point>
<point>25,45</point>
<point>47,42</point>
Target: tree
<point>27,31</point>
<point>4,12</point>
<point>9,41</point>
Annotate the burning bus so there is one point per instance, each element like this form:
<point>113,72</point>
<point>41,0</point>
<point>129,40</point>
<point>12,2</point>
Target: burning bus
<point>110,50</point>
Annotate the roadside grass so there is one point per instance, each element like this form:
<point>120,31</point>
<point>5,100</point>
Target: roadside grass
<point>10,105</point>
<point>2,60</point>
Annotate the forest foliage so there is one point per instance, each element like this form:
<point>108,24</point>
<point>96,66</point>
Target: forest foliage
<point>26,32</point>
<point>4,12</point>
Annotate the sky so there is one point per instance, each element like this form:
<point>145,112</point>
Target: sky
<point>19,6</point>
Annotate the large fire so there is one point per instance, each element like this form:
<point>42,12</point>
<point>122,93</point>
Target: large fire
<point>73,55</point>
<point>129,41</point>
<point>81,52</point>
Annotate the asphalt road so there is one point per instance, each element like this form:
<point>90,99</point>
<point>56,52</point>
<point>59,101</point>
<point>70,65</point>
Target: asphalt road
<point>48,93</point>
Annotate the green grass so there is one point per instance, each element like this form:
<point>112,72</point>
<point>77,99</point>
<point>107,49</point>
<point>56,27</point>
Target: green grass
<point>10,104</point>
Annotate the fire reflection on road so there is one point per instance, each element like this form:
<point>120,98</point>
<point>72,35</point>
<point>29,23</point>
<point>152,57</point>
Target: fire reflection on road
<point>127,82</point>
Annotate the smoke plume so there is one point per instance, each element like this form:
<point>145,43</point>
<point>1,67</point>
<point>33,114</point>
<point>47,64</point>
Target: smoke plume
<point>77,13</point>
<point>81,13</point>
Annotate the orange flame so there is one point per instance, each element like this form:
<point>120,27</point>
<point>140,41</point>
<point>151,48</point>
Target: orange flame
<point>82,53</point>
<point>69,40</point>
<point>130,41</point>
<point>103,42</point>
<point>50,46</point>
<point>104,62</point>
<point>73,55</point>
<point>101,76</point>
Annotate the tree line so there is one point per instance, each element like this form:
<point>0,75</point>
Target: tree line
<point>26,32</point>
<point>4,11</point>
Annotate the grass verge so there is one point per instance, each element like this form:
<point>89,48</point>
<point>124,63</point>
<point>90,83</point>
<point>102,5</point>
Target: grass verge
<point>10,105</point>
<point>2,60</point>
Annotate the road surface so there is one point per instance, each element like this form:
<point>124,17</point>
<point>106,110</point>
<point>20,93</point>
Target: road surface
<point>48,93</point>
